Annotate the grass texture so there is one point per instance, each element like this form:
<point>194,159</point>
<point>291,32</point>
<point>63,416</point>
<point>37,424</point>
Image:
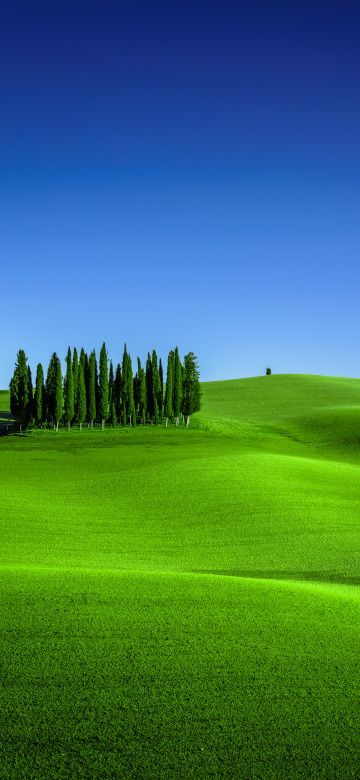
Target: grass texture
<point>185,603</point>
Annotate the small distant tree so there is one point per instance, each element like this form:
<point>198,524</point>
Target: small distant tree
<point>69,402</point>
<point>268,372</point>
<point>111,385</point>
<point>191,392</point>
<point>103,385</point>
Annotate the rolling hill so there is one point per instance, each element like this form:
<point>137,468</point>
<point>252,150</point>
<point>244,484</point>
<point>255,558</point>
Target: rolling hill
<point>185,603</point>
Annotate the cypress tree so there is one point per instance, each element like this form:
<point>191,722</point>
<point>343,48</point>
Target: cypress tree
<point>113,414</point>
<point>117,391</point>
<point>111,384</point>
<point>156,386</point>
<point>39,398</point>
<point>91,405</point>
<point>19,391</point>
<point>104,385</point>
<point>30,407</point>
<point>142,392</point>
<point>83,361</point>
<point>127,390</point>
<point>97,391</point>
<point>75,373</point>
<point>177,386</point>
<point>161,375</point>
<point>81,399</point>
<point>124,386</point>
<point>191,397</point>
<point>69,405</point>
<point>149,388</point>
<point>169,387</point>
<point>50,388</point>
<point>130,392</point>
<point>58,397</point>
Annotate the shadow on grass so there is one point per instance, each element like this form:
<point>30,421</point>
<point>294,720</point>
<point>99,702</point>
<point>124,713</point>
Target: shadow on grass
<point>277,574</point>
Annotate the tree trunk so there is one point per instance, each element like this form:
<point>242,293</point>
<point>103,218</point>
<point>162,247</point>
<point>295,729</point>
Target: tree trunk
<point>187,420</point>
<point>102,424</point>
<point>177,421</point>
<point>130,420</point>
<point>166,424</point>
<point>68,425</point>
<point>80,425</point>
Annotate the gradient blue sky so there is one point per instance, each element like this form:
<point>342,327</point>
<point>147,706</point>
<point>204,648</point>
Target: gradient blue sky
<point>182,173</point>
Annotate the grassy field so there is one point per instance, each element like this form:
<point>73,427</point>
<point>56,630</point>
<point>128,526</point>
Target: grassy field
<point>185,603</point>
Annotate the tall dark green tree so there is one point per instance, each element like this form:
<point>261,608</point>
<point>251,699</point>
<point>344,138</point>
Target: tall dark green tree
<point>81,391</point>
<point>69,400</point>
<point>127,390</point>
<point>117,391</point>
<point>83,361</point>
<point>104,385</point>
<point>169,389</point>
<point>141,392</point>
<point>149,388</point>
<point>111,385</point>
<point>156,387</point>
<point>75,372</point>
<point>30,412</point>
<point>161,375</point>
<point>191,392</point>
<point>91,401</point>
<point>177,386</point>
<point>54,391</point>
<point>39,397</point>
<point>19,389</point>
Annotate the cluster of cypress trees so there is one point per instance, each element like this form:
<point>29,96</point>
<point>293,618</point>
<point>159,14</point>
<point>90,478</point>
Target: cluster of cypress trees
<point>92,390</point>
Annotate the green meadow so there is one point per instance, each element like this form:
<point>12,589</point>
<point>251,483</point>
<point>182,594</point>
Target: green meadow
<point>184,603</point>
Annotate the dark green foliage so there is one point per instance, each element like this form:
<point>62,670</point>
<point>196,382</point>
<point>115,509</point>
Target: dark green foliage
<point>19,389</point>
<point>191,393</point>
<point>169,386</point>
<point>69,400</point>
<point>91,404</point>
<point>128,406</point>
<point>177,397</point>
<point>113,415</point>
<point>103,385</point>
<point>117,390</point>
<point>30,409</point>
<point>161,400</point>
<point>149,387</point>
<point>142,392</point>
<point>39,397</point>
<point>54,390</point>
<point>111,385</point>
<point>75,372</point>
<point>81,399</point>
<point>268,372</point>
<point>156,387</point>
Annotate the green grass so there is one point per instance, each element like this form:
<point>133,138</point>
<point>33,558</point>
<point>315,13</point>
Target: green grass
<point>185,603</point>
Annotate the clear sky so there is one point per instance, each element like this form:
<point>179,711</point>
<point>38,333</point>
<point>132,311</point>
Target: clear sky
<point>182,173</point>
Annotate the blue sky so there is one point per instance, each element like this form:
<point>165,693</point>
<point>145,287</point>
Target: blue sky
<point>182,173</point>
